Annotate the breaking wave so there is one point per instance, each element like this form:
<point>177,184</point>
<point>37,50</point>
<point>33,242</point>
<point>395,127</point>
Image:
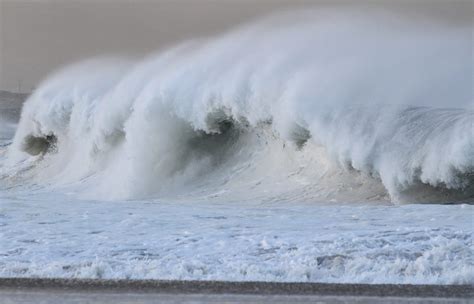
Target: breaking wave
<point>316,105</point>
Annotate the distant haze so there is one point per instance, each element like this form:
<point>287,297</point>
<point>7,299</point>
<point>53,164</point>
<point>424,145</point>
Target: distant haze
<point>37,37</point>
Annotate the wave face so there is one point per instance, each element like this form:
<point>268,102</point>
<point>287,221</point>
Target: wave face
<point>334,105</point>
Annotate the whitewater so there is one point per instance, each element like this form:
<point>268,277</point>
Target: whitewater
<point>329,145</point>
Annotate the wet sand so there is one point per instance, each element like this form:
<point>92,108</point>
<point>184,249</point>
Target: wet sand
<point>19,290</point>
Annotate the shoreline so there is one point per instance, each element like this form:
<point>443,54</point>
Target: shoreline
<point>238,288</point>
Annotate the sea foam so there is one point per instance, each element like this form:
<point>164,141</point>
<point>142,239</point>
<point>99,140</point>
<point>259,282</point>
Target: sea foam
<point>329,104</point>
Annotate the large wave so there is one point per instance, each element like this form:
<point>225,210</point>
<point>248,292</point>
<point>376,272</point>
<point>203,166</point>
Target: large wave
<point>317,105</point>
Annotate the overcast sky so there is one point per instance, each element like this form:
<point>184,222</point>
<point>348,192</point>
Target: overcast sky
<point>38,36</point>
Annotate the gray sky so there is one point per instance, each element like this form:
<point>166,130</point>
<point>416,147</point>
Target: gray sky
<point>38,36</point>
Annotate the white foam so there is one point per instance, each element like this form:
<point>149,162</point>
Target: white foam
<point>384,100</point>
<point>50,235</point>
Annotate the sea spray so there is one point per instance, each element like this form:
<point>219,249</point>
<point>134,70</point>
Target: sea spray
<point>330,104</point>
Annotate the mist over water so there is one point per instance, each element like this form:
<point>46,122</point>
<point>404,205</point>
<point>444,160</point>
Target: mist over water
<point>343,105</point>
<point>290,149</point>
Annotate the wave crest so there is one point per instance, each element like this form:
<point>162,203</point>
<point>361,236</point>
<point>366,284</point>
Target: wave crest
<point>340,105</point>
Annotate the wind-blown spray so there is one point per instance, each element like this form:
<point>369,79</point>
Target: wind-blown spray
<point>315,105</point>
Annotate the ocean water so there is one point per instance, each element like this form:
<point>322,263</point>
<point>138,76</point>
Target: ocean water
<point>56,236</point>
<point>337,146</point>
